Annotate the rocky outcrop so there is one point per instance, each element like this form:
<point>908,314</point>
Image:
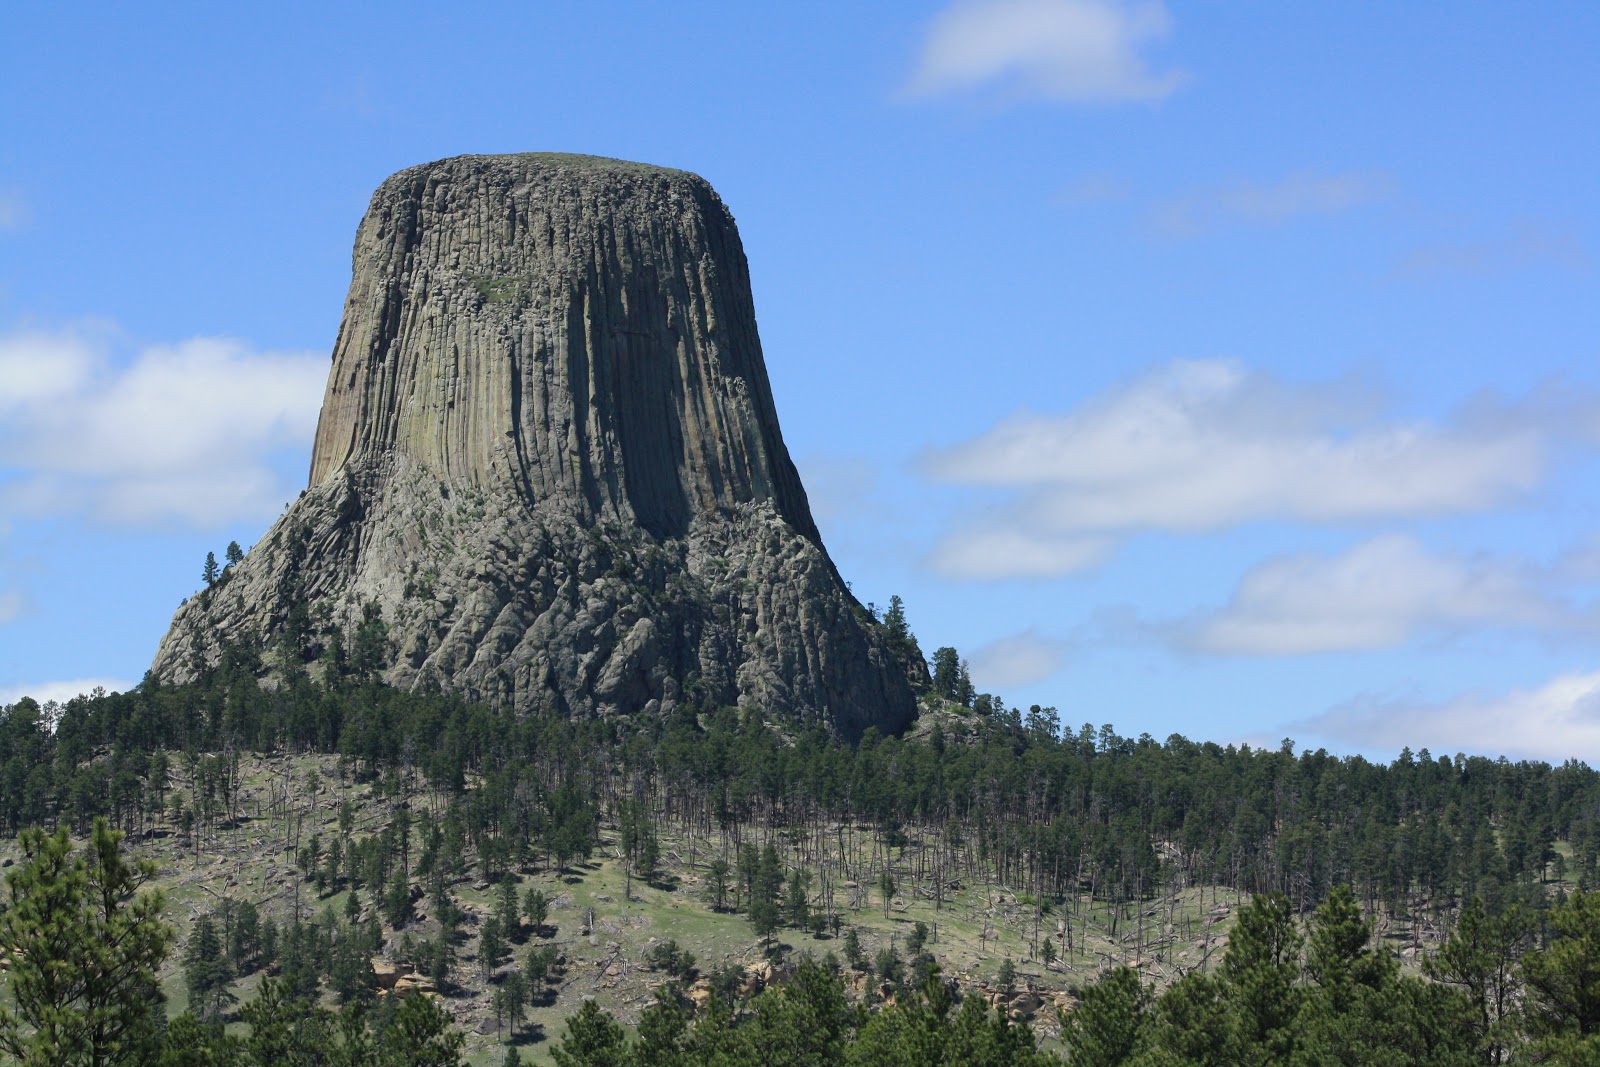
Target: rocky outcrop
<point>549,461</point>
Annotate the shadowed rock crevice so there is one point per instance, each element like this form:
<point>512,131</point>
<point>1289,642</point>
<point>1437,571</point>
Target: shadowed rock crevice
<point>548,453</point>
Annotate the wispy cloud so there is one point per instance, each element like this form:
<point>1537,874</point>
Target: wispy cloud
<point>1096,188</point>
<point>14,213</point>
<point>1069,50</point>
<point>1554,721</point>
<point>1307,192</point>
<point>1020,659</point>
<point>1000,552</point>
<point>180,432</point>
<point>12,605</point>
<point>1377,594</point>
<point>1202,445</point>
<point>839,486</point>
<point>1527,244</point>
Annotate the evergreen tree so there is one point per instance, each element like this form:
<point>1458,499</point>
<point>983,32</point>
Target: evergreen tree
<point>506,908</point>
<point>852,949</point>
<point>244,938</point>
<point>1480,958</point>
<point>516,991</point>
<point>593,1039</point>
<point>491,947</point>
<point>537,907</point>
<point>397,905</point>
<point>717,884</point>
<point>84,945</point>
<point>1259,969</point>
<point>797,909</point>
<point>663,1033</point>
<point>205,970</point>
<point>420,1035</point>
<point>1563,983</point>
<point>895,627</point>
<point>947,672</point>
<point>1108,1023</point>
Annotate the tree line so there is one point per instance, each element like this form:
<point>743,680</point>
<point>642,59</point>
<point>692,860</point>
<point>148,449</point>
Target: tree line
<point>987,795</point>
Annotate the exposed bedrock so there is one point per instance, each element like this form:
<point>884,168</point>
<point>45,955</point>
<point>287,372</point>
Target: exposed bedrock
<point>548,455</point>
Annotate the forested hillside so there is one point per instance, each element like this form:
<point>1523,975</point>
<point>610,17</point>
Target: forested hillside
<point>438,842</point>
<point>983,793</point>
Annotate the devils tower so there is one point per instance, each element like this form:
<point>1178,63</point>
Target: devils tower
<point>549,462</point>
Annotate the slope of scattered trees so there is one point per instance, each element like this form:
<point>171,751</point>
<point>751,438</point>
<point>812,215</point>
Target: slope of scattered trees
<point>83,942</point>
<point>1018,800</point>
<point>785,822</point>
<point>1286,993</point>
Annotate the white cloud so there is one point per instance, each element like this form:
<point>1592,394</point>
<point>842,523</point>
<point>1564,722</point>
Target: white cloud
<point>998,552</point>
<point>44,692</point>
<point>1021,659</point>
<point>38,366</point>
<point>1377,594</point>
<point>1304,193</point>
<point>1557,721</point>
<point>182,431</point>
<point>1202,445</point>
<point>1529,242</point>
<point>1072,50</point>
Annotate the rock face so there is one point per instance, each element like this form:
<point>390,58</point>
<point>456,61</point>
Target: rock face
<point>549,461</point>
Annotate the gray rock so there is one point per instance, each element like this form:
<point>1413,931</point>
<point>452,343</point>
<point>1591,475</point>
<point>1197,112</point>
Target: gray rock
<point>548,456</point>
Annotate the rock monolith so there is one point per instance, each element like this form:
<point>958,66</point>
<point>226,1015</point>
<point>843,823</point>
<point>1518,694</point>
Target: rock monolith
<point>548,461</point>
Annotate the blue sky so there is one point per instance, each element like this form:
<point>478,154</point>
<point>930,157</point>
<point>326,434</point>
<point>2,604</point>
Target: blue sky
<point>1221,369</point>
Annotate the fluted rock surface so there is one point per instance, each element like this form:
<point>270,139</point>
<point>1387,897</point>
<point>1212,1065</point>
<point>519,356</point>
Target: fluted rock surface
<point>549,458</point>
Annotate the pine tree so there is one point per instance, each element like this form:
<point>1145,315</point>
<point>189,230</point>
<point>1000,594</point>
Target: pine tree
<point>506,908</point>
<point>205,970</point>
<point>516,990</point>
<point>717,884</point>
<point>84,943</point>
<point>491,947</point>
<point>1480,958</point>
<point>947,672</point>
<point>796,907</point>
<point>420,1035</point>
<point>1563,981</point>
<point>593,1040</point>
<point>1260,967</point>
<point>536,905</point>
<point>210,573</point>
<point>1106,1027</point>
